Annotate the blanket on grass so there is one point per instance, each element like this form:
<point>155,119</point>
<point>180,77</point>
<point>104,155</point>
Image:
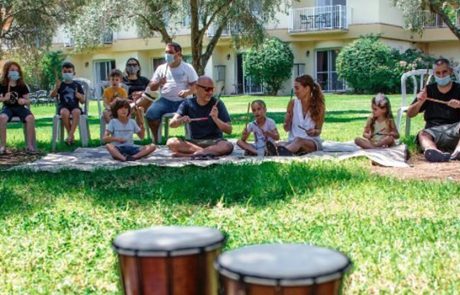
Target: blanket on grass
<point>90,159</point>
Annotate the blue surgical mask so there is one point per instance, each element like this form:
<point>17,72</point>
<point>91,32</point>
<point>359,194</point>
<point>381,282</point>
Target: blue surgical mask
<point>169,58</point>
<point>67,76</point>
<point>13,75</point>
<point>442,81</point>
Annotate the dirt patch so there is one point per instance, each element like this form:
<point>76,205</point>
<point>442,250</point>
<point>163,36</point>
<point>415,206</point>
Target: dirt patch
<point>15,157</point>
<point>422,170</point>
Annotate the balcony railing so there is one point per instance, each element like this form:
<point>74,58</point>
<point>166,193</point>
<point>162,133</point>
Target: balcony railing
<point>320,18</point>
<point>434,21</point>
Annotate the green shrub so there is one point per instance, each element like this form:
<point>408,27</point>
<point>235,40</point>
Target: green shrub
<point>269,64</point>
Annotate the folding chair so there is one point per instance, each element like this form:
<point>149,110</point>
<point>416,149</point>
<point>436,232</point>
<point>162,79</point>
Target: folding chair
<point>418,78</point>
<point>83,125</point>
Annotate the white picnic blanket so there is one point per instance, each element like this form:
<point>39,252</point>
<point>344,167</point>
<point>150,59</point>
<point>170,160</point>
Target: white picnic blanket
<point>90,159</point>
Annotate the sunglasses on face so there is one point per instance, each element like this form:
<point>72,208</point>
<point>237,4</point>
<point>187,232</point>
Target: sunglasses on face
<point>132,65</point>
<point>205,88</point>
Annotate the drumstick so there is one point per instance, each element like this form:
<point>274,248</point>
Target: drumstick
<point>199,119</point>
<point>302,128</point>
<point>427,76</point>
<point>437,100</point>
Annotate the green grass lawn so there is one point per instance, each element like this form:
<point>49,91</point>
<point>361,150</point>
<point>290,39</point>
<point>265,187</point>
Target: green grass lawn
<point>403,236</point>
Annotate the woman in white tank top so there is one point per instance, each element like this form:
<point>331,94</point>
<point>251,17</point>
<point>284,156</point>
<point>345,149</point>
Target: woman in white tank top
<point>304,118</point>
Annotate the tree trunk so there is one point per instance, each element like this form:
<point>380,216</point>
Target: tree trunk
<point>436,8</point>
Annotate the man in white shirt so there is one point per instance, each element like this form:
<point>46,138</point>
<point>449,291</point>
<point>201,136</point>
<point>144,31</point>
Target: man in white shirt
<point>176,80</point>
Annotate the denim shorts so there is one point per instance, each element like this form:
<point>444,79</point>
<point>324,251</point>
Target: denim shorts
<point>128,150</point>
<point>20,111</point>
<point>160,107</point>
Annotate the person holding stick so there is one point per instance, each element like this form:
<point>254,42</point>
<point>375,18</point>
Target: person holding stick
<point>380,130</point>
<point>175,79</point>
<point>14,94</point>
<point>208,119</point>
<point>264,130</point>
<point>440,103</point>
<point>304,119</point>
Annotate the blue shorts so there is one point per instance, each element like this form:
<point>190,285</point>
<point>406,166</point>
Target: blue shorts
<point>160,107</point>
<point>19,111</point>
<point>128,150</point>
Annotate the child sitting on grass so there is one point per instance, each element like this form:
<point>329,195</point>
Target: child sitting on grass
<point>113,92</point>
<point>119,134</point>
<point>264,130</point>
<point>380,130</point>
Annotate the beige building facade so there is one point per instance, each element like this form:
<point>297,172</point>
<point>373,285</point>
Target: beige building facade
<point>315,29</point>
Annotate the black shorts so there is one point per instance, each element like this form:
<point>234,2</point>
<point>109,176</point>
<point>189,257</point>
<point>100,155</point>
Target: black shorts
<point>128,150</point>
<point>69,108</point>
<point>16,111</point>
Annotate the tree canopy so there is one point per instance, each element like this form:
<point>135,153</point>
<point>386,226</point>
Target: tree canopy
<point>269,64</point>
<point>31,24</point>
<point>208,21</point>
<point>415,13</point>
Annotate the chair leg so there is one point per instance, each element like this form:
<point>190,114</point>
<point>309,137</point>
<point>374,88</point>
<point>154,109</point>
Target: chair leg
<point>84,133</point>
<point>160,130</point>
<point>102,127</point>
<point>166,126</point>
<point>55,132</point>
<point>407,126</point>
<point>187,131</point>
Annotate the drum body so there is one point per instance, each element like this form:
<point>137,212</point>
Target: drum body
<point>287,269</point>
<point>169,260</point>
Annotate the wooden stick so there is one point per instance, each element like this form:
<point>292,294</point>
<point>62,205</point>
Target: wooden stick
<point>199,119</point>
<point>247,114</point>
<point>427,76</point>
<point>302,128</point>
<point>437,100</point>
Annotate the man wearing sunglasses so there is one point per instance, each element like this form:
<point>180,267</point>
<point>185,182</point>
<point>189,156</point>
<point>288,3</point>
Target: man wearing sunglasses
<point>175,80</point>
<point>208,119</point>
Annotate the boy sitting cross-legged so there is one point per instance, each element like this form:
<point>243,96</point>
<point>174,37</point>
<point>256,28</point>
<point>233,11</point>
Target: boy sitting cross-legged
<point>119,134</point>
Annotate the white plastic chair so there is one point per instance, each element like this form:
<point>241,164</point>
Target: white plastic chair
<point>16,119</point>
<point>83,125</point>
<point>418,78</point>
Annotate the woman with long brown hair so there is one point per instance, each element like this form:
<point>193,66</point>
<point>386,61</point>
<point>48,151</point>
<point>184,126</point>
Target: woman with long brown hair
<point>15,97</point>
<point>304,118</point>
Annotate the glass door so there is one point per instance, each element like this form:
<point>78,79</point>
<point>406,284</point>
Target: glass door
<point>103,69</point>
<point>326,73</point>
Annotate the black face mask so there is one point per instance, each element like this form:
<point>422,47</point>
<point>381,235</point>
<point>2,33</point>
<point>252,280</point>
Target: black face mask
<point>132,69</point>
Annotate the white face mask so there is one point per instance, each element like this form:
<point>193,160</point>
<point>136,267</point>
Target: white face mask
<point>169,58</point>
<point>442,81</point>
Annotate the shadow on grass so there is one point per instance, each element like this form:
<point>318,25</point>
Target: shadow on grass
<point>253,185</point>
<point>47,123</point>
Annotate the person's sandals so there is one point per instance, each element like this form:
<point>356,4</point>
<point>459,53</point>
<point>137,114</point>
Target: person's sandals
<point>283,151</point>
<point>32,152</point>
<point>434,156</point>
<point>271,149</point>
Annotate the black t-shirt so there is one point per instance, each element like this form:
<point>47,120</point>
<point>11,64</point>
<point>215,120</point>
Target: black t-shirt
<point>435,113</point>
<point>17,92</point>
<point>203,129</point>
<point>67,94</point>
<point>136,85</point>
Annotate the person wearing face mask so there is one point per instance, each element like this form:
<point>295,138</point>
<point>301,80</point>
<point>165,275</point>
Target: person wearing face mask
<point>133,79</point>
<point>175,79</point>
<point>69,94</point>
<point>439,141</point>
<point>15,96</point>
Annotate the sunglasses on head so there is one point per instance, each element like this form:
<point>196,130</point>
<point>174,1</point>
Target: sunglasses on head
<point>205,88</point>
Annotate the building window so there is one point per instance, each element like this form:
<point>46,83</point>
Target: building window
<point>157,62</point>
<point>103,69</point>
<point>299,70</point>
<point>219,73</point>
<point>326,73</point>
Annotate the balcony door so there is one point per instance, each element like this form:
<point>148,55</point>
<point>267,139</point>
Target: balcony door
<point>326,73</point>
<point>331,2</point>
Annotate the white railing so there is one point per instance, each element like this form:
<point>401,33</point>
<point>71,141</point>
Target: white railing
<point>434,21</point>
<point>320,18</point>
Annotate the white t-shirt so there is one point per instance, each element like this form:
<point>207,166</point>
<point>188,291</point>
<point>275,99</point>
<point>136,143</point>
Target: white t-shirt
<point>177,79</point>
<point>269,125</point>
<point>126,131</point>
<point>299,123</point>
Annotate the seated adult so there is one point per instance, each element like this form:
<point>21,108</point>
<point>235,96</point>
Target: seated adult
<point>439,141</point>
<point>133,79</point>
<point>304,119</point>
<point>175,79</point>
<point>208,118</point>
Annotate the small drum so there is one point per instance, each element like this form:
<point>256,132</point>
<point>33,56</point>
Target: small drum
<point>169,260</point>
<point>146,99</point>
<point>288,269</point>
